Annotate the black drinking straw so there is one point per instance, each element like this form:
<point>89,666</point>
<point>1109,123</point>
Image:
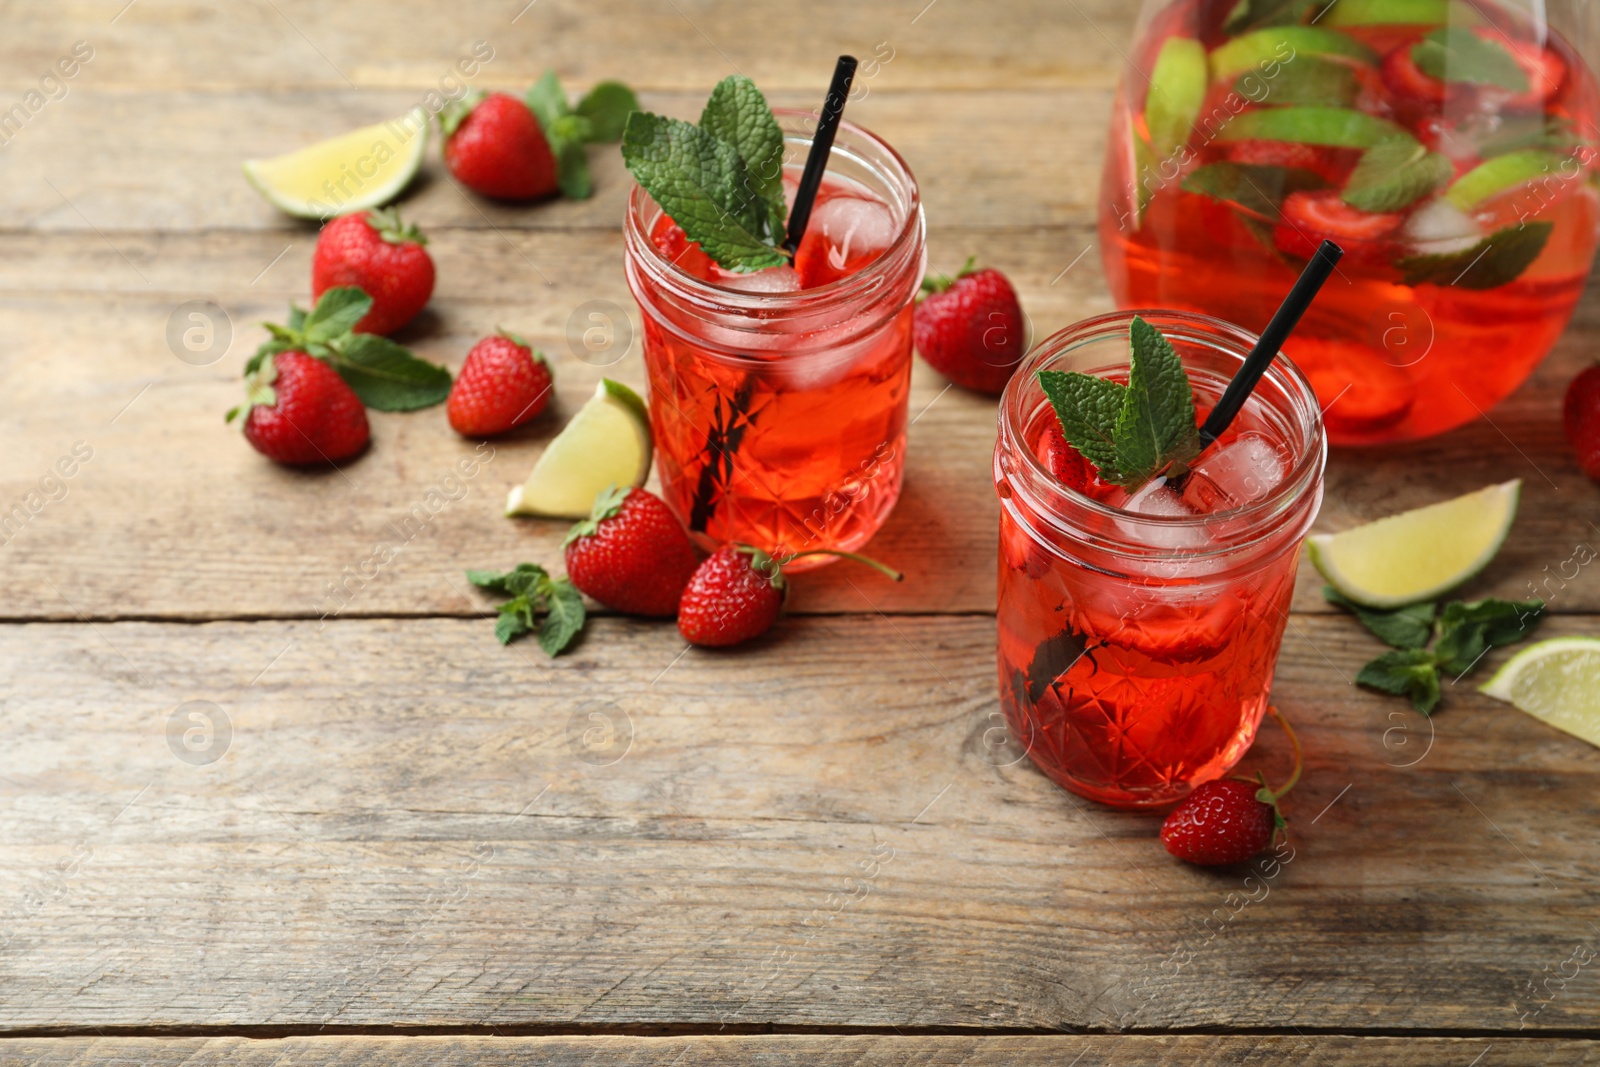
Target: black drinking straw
<point>821,144</point>
<point>1284,320</point>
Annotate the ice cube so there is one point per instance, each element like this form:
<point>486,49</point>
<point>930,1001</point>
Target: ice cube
<point>1439,228</point>
<point>1241,471</point>
<point>1157,500</point>
<point>855,228</point>
<point>771,280</point>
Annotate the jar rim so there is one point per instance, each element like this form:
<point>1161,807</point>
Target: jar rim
<point>866,282</point>
<point>1255,521</point>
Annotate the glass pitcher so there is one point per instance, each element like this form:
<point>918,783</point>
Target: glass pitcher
<point>1450,146</point>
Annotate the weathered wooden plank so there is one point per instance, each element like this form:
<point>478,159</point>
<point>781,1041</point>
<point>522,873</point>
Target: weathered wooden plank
<point>411,825</point>
<point>415,44</point>
<point>1196,1050</point>
<point>174,516</point>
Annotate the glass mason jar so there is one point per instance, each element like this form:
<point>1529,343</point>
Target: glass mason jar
<point>1136,650</point>
<point>779,413</point>
<point>1448,146</point>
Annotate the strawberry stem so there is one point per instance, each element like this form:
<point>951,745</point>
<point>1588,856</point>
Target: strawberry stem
<point>887,571</point>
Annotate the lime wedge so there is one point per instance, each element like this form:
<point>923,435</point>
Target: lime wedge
<point>606,443</point>
<point>1499,174</point>
<point>1557,682</point>
<point>1419,554</point>
<point>354,171</point>
<point>1281,44</point>
<point>1177,87</point>
<point>1401,13</point>
<point>1338,127</point>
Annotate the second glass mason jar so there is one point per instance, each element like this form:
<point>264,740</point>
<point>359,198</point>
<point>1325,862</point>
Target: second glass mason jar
<point>1136,647</point>
<point>778,399</point>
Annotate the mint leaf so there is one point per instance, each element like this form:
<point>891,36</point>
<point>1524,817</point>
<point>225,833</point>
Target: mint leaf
<point>510,626</point>
<point>1459,55</point>
<point>1394,174</point>
<point>1494,261</point>
<point>336,314</point>
<point>700,181</point>
<point>607,107</point>
<point>1405,672</point>
<point>564,133</point>
<point>564,615</point>
<point>1156,426</point>
<point>1408,627</point>
<point>1087,408</point>
<point>1251,14</point>
<point>386,376</point>
<point>1308,81</point>
<point>1252,187</point>
<point>737,114</point>
<point>1513,133</point>
<point>1468,630</point>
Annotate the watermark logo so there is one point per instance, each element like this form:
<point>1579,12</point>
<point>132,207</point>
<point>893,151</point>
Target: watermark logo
<point>599,333</point>
<point>599,733</point>
<point>199,732</point>
<point>199,332</point>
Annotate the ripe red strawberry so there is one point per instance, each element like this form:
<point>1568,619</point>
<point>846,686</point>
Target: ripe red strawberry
<point>299,411</point>
<point>1220,823</point>
<point>503,383</point>
<point>631,554</point>
<point>1414,92</point>
<point>494,145</point>
<point>1309,216</point>
<point>1067,463</point>
<point>376,253</point>
<point>1544,68</point>
<point>1581,416</point>
<point>737,592</point>
<point>971,329</point>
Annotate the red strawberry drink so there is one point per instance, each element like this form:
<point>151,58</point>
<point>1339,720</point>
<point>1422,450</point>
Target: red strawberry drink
<point>778,394</point>
<point>1447,147</point>
<point>1138,629</point>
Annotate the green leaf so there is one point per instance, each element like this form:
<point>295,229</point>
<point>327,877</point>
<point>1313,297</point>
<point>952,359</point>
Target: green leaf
<point>1156,426</point>
<point>564,132</point>
<point>1087,408</point>
<point>1451,53</point>
<point>1255,188</point>
<point>1494,261</point>
<point>1251,14</point>
<point>564,616</point>
<point>698,180</point>
<point>1468,630</point>
<point>1513,133</point>
<point>1394,174</point>
<point>297,319</point>
<point>1405,672</point>
<point>737,114</point>
<point>492,580</point>
<point>607,107</point>
<point>386,376</point>
<point>546,99</point>
<point>335,315</point>
<point>1408,627</point>
<point>509,626</point>
<point>1309,81</point>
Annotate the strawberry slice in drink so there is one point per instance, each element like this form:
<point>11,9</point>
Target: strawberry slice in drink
<point>686,255</point>
<point>1311,215</point>
<point>1416,93</point>
<point>1068,464</point>
<point>1358,390</point>
<point>1545,70</point>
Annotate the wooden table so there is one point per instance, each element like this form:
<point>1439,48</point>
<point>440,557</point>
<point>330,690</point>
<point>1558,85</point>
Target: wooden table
<point>799,851</point>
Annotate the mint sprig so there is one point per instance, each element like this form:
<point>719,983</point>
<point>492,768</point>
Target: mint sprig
<point>721,181</point>
<point>1394,174</point>
<point>385,375</point>
<point>1452,53</point>
<point>1129,432</point>
<point>1461,634</point>
<point>1496,260</point>
<point>599,116</point>
<point>533,592</point>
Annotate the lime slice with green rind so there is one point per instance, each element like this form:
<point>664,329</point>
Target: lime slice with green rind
<point>361,169</point>
<point>1420,554</point>
<point>1400,13</point>
<point>606,443</point>
<point>1177,88</point>
<point>1336,127</point>
<point>1501,173</point>
<point>1557,682</point>
<point>1282,44</point>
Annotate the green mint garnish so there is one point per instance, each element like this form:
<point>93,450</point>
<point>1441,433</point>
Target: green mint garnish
<point>1309,81</point>
<point>1129,432</point>
<point>1465,630</point>
<point>599,116</point>
<point>1459,55</point>
<point>1394,174</point>
<point>385,375</point>
<point>722,181</point>
<point>533,591</point>
<point>1254,187</point>
<point>1494,261</point>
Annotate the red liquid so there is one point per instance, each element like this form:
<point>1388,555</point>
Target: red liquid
<point>1390,361</point>
<point>797,443</point>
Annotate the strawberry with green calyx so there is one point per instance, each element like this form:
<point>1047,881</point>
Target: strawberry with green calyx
<point>598,117</point>
<point>383,257</point>
<point>503,383</point>
<point>970,328</point>
<point>533,592</point>
<point>299,412</point>
<point>1130,433</point>
<point>385,375</point>
<point>631,554</point>
<point>494,145</point>
<point>1229,820</point>
<point>737,593</point>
